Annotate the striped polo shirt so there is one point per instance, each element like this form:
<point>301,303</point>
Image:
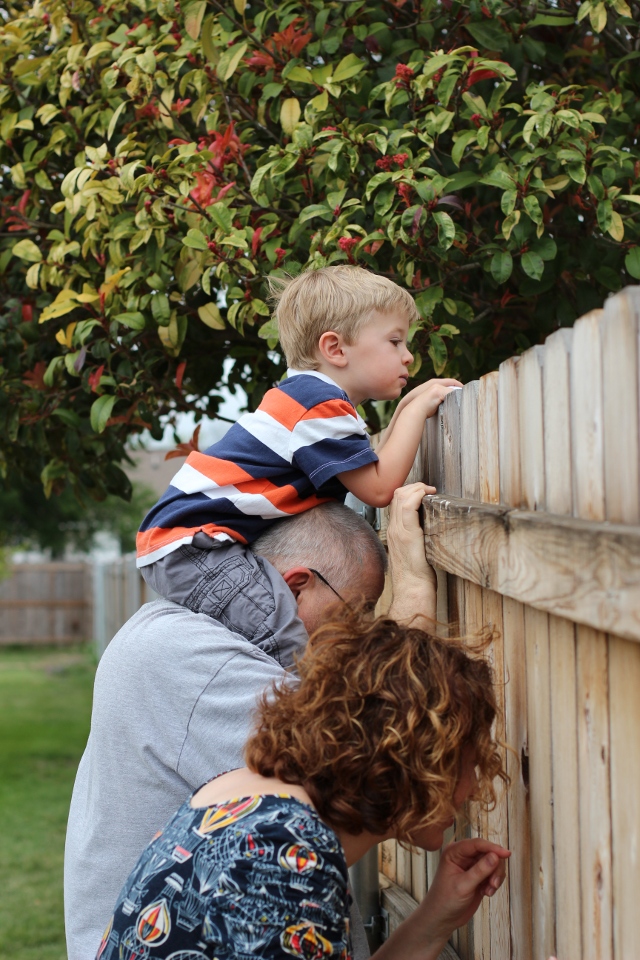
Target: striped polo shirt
<point>274,463</point>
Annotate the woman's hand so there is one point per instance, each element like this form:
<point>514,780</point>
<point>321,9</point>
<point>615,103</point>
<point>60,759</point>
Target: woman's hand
<point>468,871</point>
<point>413,581</point>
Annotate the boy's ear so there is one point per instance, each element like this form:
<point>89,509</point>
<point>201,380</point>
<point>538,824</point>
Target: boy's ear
<point>331,349</point>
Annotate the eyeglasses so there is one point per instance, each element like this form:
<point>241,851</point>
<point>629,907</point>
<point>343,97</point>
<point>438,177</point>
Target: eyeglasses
<point>326,582</point>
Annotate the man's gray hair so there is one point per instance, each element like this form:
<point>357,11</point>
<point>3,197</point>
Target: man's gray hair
<point>331,538</point>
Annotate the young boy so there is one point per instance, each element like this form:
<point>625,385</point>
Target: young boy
<point>344,334</point>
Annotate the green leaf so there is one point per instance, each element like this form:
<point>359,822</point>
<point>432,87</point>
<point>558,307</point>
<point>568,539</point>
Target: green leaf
<point>465,178</point>
<point>298,74</point>
<point>221,216</point>
<point>290,113</point>
<point>27,250</point>
<point>112,124</point>
<point>228,63</point>
<point>195,239</point>
<point>161,309</point>
<point>546,248</point>
<point>193,15</point>
<point>133,320</point>
<point>315,210</point>
<point>498,178</point>
<point>446,229</point>
<point>501,266</point>
<point>438,353</point>
<point>211,316</point>
<point>605,215</point>
<point>491,36</point>
<point>101,411</point>
<point>462,142</point>
<point>532,265</point>
<point>427,300</point>
<point>348,67</point>
<point>632,263</point>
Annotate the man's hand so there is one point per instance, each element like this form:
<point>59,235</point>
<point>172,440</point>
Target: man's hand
<point>413,581</point>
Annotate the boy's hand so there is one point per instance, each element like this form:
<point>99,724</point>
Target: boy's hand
<point>431,393</point>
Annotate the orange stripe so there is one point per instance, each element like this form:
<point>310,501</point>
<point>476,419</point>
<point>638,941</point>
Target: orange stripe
<point>329,408</point>
<point>221,472</point>
<point>148,541</point>
<point>282,408</point>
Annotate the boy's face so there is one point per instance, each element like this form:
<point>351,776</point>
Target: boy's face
<point>378,361</point>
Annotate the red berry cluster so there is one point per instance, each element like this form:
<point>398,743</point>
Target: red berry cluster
<point>385,163</point>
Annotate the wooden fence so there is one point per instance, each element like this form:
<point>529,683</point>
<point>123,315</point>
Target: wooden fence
<point>45,603</point>
<point>535,530</point>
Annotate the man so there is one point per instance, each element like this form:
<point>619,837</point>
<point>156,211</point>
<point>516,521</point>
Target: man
<point>175,690</point>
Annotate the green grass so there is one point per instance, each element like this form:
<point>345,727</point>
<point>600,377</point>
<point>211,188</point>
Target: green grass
<point>45,704</point>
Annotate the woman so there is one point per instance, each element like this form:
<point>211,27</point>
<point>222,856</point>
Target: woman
<point>386,734</point>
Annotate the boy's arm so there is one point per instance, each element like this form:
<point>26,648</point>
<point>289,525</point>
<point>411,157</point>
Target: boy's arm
<point>412,395</point>
<point>375,483</point>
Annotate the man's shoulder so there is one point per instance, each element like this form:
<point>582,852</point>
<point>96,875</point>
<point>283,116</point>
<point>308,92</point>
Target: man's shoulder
<point>166,636</point>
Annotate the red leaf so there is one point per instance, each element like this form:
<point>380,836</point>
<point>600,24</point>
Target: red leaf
<point>35,378</point>
<point>180,374</point>
<point>27,312</point>
<point>184,449</point>
<point>94,378</point>
<point>255,241</point>
<point>477,75</point>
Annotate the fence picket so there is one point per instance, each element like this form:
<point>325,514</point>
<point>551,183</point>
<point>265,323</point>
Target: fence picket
<point>620,331</point>
<point>587,451</point>
<point>488,461</point>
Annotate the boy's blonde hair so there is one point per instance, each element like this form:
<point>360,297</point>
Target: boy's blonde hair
<point>338,298</point>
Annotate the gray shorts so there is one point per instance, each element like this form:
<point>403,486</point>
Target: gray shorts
<point>223,580</point>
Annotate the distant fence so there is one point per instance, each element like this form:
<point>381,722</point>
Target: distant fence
<point>536,531</point>
<point>64,603</point>
<point>118,592</point>
<point>45,603</point>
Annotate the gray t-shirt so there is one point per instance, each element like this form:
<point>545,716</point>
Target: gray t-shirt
<point>173,703</point>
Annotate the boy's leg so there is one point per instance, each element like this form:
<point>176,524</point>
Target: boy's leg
<point>223,580</point>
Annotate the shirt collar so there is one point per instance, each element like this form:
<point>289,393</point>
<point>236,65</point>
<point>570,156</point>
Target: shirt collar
<point>313,373</point>
<point>322,376</point>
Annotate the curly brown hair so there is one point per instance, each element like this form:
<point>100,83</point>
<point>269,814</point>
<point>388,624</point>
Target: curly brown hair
<point>376,726</point>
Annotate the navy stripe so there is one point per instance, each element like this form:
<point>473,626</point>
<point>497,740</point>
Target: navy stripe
<point>309,391</point>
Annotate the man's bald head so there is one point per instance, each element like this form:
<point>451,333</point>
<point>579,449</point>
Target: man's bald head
<point>330,538</point>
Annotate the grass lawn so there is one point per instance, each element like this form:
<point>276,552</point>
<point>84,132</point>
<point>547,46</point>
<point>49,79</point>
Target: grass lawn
<point>45,703</point>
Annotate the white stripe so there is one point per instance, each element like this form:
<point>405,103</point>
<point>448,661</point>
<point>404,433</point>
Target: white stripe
<point>170,547</point>
<point>268,431</point>
<point>307,432</point>
<point>190,480</point>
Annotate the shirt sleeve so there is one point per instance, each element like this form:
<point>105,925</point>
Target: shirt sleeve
<point>330,439</point>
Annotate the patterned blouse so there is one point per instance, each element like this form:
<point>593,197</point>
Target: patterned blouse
<point>259,877</point>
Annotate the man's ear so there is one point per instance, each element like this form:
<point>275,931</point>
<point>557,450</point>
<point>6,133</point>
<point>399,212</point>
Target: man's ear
<point>298,579</point>
<point>331,349</point>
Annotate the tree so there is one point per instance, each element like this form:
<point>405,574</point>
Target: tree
<point>28,519</point>
<point>159,161</point>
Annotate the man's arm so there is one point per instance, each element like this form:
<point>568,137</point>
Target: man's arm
<point>413,581</point>
<point>375,483</point>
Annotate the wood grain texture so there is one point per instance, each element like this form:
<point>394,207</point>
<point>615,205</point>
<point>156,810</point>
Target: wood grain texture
<point>469,456</point>
<point>518,769</point>
<point>594,794</point>
<point>620,331</point>
<point>509,433</point>
<point>531,428</point>
<point>564,756</point>
<point>451,464</point>
<point>586,412</point>
<point>588,572</point>
<point>536,627</point>
<point>624,685</point>
<point>556,400</point>
<point>497,823</point>
<point>488,461</point>
<point>403,867</point>
<point>434,459</point>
